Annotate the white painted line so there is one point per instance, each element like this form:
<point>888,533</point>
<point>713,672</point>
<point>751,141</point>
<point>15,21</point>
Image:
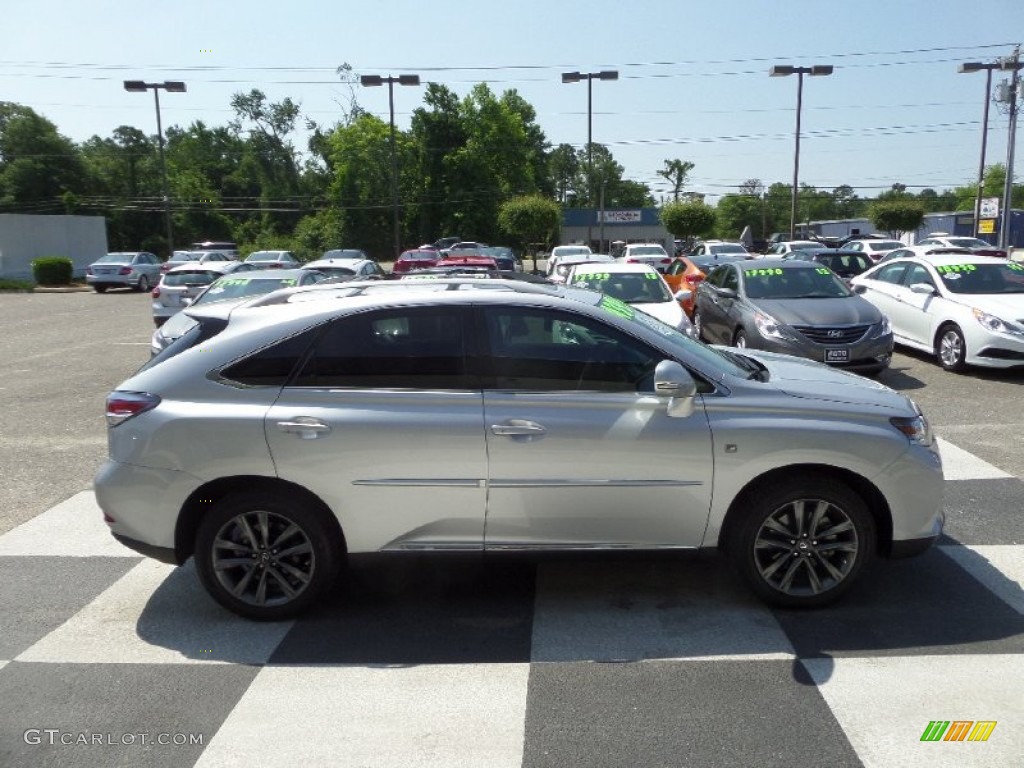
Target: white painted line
<point>73,528</point>
<point>4,663</point>
<point>631,611</point>
<point>446,716</point>
<point>157,614</point>
<point>958,464</point>
<point>1000,567</point>
<point>884,705</point>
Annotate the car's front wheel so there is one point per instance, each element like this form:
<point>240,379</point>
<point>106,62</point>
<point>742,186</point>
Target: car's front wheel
<point>143,284</point>
<point>951,349</point>
<point>100,288</point>
<point>802,544</point>
<point>266,557</point>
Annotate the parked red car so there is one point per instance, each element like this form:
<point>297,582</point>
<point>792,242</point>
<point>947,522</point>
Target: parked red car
<point>417,258</point>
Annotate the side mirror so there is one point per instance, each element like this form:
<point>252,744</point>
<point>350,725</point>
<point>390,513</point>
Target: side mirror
<point>923,288</point>
<point>682,295</point>
<point>673,381</point>
<point>727,293</point>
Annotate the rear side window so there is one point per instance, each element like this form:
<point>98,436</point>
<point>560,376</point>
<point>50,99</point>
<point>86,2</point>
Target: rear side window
<point>408,348</point>
<point>197,334</point>
<point>273,365</point>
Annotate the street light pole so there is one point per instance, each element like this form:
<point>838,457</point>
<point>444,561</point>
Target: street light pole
<point>575,77</point>
<point>171,86</point>
<point>781,70</point>
<point>373,80</point>
<point>968,67</point>
<point>1012,63</point>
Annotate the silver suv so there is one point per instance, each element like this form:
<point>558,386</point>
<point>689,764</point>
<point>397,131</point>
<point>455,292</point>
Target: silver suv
<point>312,423</point>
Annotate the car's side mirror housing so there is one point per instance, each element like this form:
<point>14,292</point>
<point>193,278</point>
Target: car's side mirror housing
<point>727,293</point>
<point>675,382</point>
<point>682,295</point>
<point>923,288</point>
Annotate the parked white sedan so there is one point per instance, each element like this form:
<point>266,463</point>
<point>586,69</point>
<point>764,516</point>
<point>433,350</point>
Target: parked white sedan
<point>639,285</point>
<point>966,309</point>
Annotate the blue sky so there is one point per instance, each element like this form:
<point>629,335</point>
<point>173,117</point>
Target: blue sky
<point>693,81</point>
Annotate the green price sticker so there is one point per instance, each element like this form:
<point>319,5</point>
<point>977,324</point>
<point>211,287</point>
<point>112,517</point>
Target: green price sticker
<point>617,307</point>
<point>1015,266</point>
<point>824,271</point>
<point>651,276</point>
<point>947,268</point>
<point>769,272</point>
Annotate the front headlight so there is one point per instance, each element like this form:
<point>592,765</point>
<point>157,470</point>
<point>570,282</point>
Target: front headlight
<point>916,428</point>
<point>769,327</point>
<point>994,324</point>
<point>884,328</point>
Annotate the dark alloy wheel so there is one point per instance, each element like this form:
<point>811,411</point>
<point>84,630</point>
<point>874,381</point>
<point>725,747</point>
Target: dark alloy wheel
<point>802,544</point>
<point>265,557</point>
<point>100,288</point>
<point>143,283</point>
<point>951,349</point>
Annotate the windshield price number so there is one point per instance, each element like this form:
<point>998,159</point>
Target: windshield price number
<point>770,272</point>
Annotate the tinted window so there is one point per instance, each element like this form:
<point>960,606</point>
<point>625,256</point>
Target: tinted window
<point>545,350</point>
<point>730,280</point>
<point>794,283</point>
<point>191,277</point>
<point>982,278</point>
<point>891,274</point>
<point>240,287</point>
<point>918,274</point>
<point>273,365</point>
<point>419,348</point>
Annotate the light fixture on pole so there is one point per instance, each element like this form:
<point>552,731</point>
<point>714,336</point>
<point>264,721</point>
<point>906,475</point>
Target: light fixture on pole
<point>171,86</point>
<point>966,68</point>
<point>575,77</point>
<point>374,80</point>
<point>782,70</point>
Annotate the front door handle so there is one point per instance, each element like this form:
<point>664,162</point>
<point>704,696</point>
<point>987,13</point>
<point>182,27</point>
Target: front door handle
<point>518,428</point>
<point>305,427</point>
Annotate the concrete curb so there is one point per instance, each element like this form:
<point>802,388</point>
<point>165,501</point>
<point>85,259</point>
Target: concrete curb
<point>61,289</point>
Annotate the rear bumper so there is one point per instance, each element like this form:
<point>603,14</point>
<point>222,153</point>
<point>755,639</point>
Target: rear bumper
<point>163,554</point>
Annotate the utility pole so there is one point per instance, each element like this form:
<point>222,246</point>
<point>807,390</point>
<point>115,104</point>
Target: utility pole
<point>1012,63</point>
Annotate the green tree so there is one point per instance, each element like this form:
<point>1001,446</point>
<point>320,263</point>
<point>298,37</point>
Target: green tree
<point>688,220</point>
<point>735,212</point>
<point>675,173</point>
<point>896,216</point>
<point>530,219</point>
<point>37,164</point>
<point>564,169</point>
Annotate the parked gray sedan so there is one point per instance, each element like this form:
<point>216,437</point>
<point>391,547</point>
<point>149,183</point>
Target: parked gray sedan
<point>793,307</point>
<point>273,440</point>
<point>124,269</point>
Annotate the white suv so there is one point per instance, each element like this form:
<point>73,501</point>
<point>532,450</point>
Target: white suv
<point>271,441</point>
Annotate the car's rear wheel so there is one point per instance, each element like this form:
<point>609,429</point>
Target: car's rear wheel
<point>266,557</point>
<point>801,544</point>
<point>951,349</point>
<point>100,288</point>
<point>143,284</point>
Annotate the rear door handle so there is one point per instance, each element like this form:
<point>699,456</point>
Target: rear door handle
<point>518,428</point>
<point>305,427</point>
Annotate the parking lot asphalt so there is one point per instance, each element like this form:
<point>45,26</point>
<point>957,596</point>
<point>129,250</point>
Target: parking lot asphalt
<point>62,353</point>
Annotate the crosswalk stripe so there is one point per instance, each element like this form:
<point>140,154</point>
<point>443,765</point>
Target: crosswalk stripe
<point>446,716</point>
<point>958,464</point>
<point>73,528</point>
<point>1000,567</point>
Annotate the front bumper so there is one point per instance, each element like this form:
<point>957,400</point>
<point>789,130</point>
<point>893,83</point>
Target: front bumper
<point>114,279</point>
<point>868,354</point>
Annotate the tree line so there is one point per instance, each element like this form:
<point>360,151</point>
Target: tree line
<point>460,161</point>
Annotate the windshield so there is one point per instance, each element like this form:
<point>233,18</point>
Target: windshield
<point>728,248</point>
<point>630,287</point>
<point>844,264</point>
<point>571,250</point>
<point>967,242</point>
<point>262,256</point>
<point>982,278</point>
<point>883,245</point>
<point>793,283</point>
<point>647,250</point>
<point>240,287</point>
<point>115,258</point>
<point>190,277</point>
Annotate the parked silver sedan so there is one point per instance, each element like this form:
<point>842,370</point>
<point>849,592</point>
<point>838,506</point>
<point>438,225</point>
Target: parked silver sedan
<point>184,282</point>
<point>793,307</point>
<point>128,269</point>
<point>272,440</point>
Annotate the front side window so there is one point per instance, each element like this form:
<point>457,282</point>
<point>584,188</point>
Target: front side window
<point>550,350</point>
<point>407,348</point>
<point>891,274</point>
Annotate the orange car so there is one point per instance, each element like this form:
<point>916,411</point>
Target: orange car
<point>683,275</point>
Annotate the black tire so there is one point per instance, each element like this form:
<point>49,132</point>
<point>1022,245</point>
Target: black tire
<point>251,581</point>
<point>143,284</point>
<point>740,339</point>
<point>782,528</point>
<point>950,348</point>
<point>100,288</point>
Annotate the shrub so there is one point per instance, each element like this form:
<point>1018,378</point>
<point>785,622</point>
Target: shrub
<point>52,270</point>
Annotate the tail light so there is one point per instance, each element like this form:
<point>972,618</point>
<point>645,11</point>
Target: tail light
<point>632,261</point>
<point>666,261</point>
<point>164,267</point>
<point>122,406</point>
<point>124,271</point>
<point>694,279</point>
<point>275,265</point>
<point>156,292</point>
